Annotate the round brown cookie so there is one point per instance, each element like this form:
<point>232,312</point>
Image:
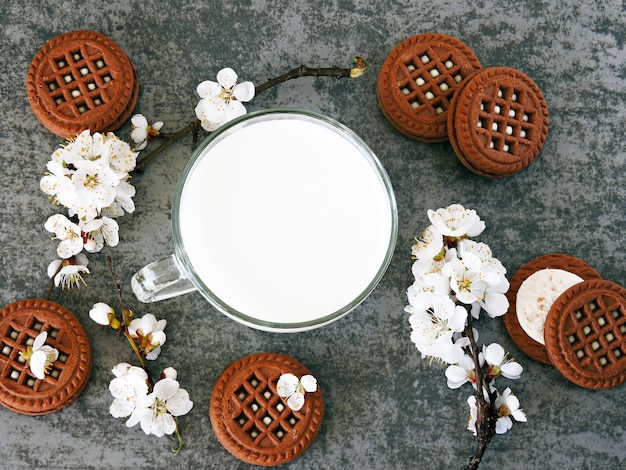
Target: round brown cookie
<point>81,80</point>
<point>20,390</point>
<point>528,345</point>
<point>417,81</point>
<point>497,122</point>
<point>586,334</point>
<point>255,424</point>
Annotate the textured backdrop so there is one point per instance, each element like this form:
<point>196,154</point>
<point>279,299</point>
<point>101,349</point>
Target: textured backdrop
<point>385,407</point>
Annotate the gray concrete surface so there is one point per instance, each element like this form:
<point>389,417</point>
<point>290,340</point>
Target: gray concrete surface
<point>385,407</point>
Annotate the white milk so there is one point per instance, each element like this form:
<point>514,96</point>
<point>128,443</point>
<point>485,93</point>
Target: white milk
<point>286,222</point>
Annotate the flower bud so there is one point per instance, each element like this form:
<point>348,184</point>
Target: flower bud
<point>102,314</point>
<point>169,373</point>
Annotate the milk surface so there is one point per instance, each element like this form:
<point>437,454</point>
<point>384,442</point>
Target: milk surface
<point>285,221</point>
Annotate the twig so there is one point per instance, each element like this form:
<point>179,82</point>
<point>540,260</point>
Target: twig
<point>126,316</point>
<point>169,140</point>
<point>51,284</point>
<point>486,415</point>
<point>304,71</point>
<point>117,286</point>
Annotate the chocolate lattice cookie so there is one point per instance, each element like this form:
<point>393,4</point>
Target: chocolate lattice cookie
<point>20,323</point>
<point>81,80</point>
<point>497,122</point>
<point>252,422</point>
<point>586,334</point>
<point>417,81</point>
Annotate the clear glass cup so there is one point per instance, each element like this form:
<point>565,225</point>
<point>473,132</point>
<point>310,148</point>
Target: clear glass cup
<point>283,219</point>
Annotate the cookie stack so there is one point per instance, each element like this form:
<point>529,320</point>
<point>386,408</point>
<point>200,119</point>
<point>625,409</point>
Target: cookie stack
<point>433,88</point>
<point>81,80</point>
<point>563,313</point>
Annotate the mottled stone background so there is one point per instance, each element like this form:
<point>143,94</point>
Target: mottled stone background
<point>385,407</point>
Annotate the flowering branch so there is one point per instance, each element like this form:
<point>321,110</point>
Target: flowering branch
<point>486,412</point>
<point>124,322</point>
<point>155,406</point>
<point>89,177</point>
<point>226,97</point>
<point>455,279</point>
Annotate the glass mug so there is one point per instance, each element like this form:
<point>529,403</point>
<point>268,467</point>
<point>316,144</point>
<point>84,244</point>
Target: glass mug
<point>283,219</point>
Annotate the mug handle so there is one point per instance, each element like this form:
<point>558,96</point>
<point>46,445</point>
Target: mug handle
<point>160,280</point>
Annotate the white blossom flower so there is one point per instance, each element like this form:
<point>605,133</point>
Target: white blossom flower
<point>142,131</point>
<point>466,278</point>
<point>119,156</point>
<point>499,364</point>
<point>101,313</point>
<point>68,232</point>
<point>420,296</point>
<point>456,221</point>
<point>40,356</point>
<point>471,425</point>
<point>454,274</point>
<point>67,273</point>
<point>462,372</point>
<point>84,175</point>
<point>84,147</point>
<point>128,387</point>
<point>150,334</point>
<point>429,245</point>
<point>507,406</point>
<point>494,300</point>
<point>221,101</point>
<point>123,202</point>
<point>155,412</point>
<point>121,369</point>
<point>99,232</point>
<point>293,389</point>
<point>57,183</point>
<point>433,332</point>
<point>435,279</point>
<point>494,303</point>
<point>95,183</point>
<point>429,283</point>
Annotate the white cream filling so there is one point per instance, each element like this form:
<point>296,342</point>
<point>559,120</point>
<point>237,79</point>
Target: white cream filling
<point>537,294</point>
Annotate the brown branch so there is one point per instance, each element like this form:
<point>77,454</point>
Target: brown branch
<point>118,288</point>
<point>486,414</point>
<point>51,284</point>
<point>169,140</point>
<point>303,71</point>
<point>125,320</point>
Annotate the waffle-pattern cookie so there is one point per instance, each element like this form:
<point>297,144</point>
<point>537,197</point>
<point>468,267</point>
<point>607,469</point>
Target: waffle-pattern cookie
<point>528,345</point>
<point>249,418</point>
<point>20,323</point>
<point>81,80</point>
<point>497,122</point>
<point>586,334</point>
<point>418,80</point>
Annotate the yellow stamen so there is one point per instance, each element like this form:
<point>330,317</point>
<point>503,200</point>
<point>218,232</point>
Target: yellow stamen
<point>91,181</point>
